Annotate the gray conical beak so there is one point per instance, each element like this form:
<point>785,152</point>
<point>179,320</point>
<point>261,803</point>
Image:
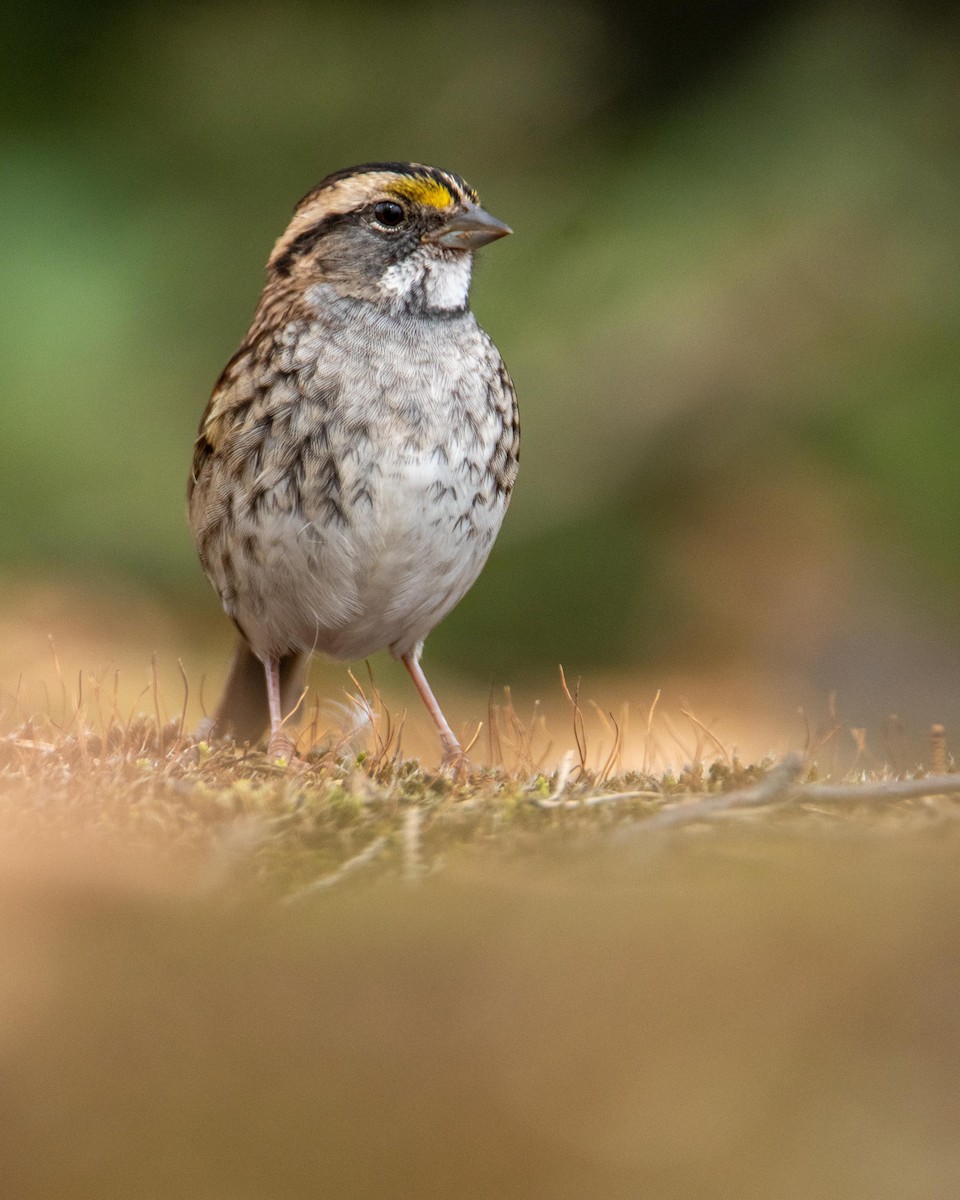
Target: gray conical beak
<point>469,229</point>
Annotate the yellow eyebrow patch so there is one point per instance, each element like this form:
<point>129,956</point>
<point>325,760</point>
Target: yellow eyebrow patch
<point>422,190</point>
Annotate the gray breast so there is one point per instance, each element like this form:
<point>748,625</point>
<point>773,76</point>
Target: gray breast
<point>367,479</point>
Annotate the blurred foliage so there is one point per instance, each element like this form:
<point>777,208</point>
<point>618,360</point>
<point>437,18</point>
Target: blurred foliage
<point>731,307</point>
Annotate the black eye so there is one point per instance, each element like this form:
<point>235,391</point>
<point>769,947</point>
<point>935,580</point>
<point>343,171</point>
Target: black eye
<point>389,214</point>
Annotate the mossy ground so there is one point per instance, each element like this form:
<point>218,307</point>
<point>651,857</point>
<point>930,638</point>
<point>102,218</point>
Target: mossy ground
<point>279,828</point>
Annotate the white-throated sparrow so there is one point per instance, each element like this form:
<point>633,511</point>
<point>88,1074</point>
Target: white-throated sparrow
<point>357,456</point>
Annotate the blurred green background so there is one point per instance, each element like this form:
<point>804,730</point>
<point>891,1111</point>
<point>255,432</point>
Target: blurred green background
<point>731,308</point>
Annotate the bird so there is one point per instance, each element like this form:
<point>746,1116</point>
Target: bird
<point>358,453</point>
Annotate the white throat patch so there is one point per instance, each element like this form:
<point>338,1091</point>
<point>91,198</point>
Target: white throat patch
<point>445,281</point>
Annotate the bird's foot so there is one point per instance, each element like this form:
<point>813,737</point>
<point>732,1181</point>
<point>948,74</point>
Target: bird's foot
<point>454,759</point>
<point>282,750</point>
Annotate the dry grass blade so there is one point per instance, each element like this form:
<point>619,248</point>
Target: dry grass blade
<point>709,734</point>
<point>155,685</point>
<point>473,741</point>
<point>383,741</point>
<point>650,747</point>
<point>494,749</point>
<point>516,736</point>
<point>938,749</point>
<point>186,699</point>
<point>579,733</point>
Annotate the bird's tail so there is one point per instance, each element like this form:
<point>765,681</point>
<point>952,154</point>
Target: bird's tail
<point>243,713</point>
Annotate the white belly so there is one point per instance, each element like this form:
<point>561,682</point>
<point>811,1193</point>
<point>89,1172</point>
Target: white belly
<point>383,578</point>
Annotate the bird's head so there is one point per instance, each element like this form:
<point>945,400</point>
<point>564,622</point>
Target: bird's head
<point>400,235</point>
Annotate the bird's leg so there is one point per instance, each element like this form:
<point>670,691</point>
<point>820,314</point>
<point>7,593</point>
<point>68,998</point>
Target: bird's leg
<point>281,743</point>
<point>452,751</point>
